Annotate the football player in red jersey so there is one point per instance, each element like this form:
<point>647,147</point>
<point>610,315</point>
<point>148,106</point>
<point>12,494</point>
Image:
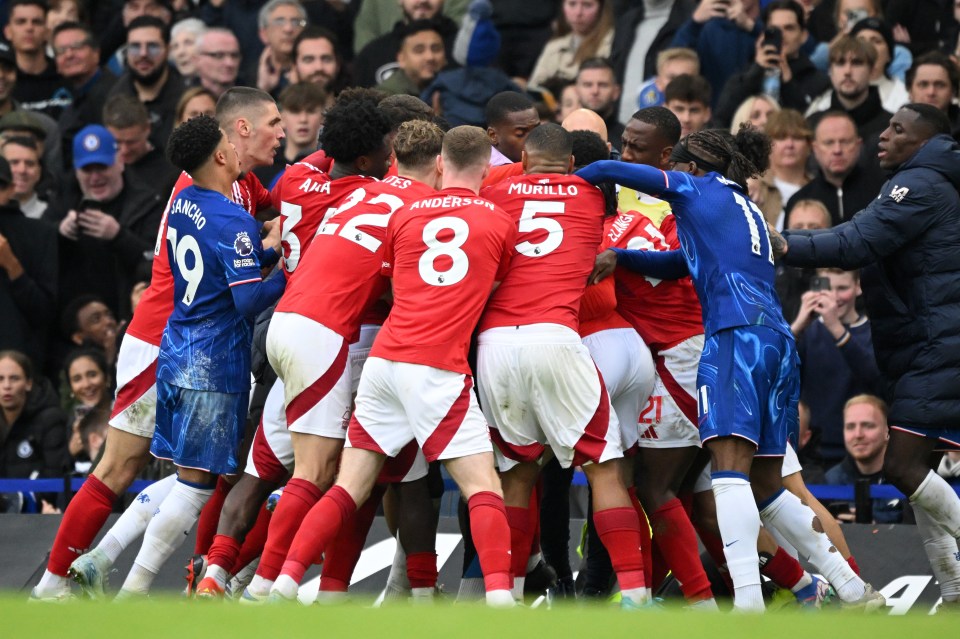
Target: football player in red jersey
<point>313,376</point>
<point>252,122</point>
<point>445,254</point>
<point>537,380</point>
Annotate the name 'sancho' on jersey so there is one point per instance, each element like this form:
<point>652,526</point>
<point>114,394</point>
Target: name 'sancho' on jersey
<point>449,201</point>
<point>183,206</point>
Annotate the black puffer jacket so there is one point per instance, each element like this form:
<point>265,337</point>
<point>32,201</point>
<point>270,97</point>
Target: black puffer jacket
<point>37,441</point>
<point>909,241</point>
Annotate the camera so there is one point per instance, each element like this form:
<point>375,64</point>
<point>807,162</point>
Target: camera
<point>820,283</point>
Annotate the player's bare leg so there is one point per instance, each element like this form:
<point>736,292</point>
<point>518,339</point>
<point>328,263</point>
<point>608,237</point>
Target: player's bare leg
<point>795,484</point>
<point>314,471</point>
<point>169,527</point>
<point>618,526</point>
<point>125,456</point>
<point>910,465</point>
<point>660,473</point>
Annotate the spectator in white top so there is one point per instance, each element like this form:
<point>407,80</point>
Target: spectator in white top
<point>584,30</point>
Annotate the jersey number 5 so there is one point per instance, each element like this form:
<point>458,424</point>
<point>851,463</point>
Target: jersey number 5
<point>447,252</point>
<point>529,222</point>
<point>179,249</point>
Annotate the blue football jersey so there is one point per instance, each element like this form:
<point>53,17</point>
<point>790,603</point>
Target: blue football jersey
<point>213,245</point>
<point>724,240</point>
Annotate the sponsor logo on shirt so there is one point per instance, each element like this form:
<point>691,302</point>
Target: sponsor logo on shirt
<point>898,193</point>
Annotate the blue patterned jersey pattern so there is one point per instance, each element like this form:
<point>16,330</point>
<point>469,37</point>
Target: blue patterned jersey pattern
<point>724,240</point>
<point>215,256</point>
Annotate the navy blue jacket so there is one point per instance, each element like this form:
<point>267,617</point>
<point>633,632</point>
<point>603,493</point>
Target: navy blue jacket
<point>907,243</point>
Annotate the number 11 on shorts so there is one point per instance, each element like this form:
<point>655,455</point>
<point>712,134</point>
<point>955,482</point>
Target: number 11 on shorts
<point>702,400</point>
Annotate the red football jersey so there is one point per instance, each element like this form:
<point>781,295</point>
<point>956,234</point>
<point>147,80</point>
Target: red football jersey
<point>156,305</point>
<point>444,253</point>
<point>560,224</point>
<point>304,196</point>
<point>339,280</point>
<point>663,312</point>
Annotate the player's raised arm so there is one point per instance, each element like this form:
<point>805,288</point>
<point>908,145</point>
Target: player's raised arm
<point>663,265</point>
<point>635,176</point>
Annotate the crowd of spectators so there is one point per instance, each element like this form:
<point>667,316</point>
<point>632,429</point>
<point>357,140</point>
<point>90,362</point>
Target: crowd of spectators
<point>89,92</point>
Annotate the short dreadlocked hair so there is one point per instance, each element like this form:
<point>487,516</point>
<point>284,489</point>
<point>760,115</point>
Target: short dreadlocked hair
<point>192,143</point>
<point>739,157</point>
<point>354,126</point>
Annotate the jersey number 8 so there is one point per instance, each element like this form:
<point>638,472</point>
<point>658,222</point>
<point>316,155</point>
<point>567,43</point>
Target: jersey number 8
<point>448,249</point>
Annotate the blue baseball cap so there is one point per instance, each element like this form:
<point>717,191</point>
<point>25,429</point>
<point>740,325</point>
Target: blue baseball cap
<point>94,144</point>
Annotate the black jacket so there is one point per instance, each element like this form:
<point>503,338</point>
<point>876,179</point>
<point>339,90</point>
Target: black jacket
<point>625,32</point>
<point>906,242</point>
<point>87,108</point>
<point>37,441</point>
<point>870,117</point>
<point>109,269</point>
<point>28,304</point>
<point>857,191</point>
<point>162,110</point>
<point>381,53</point>
<point>806,84</point>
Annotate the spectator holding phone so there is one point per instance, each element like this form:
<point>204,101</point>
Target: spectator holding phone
<point>108,230</point>
<point>836,355</point>
<point>777,57</point>
<point>723,33</point>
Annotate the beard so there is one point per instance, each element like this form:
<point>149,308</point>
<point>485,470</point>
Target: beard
<point>149,79</point>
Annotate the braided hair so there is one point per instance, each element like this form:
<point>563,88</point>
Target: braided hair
<point>738,158</point>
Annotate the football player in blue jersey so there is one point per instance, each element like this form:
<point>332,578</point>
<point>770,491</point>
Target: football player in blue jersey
<point>203,370</point>
<point>748,382</point>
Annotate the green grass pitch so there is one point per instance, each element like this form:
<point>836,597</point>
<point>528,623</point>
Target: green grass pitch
<point>187,619</point>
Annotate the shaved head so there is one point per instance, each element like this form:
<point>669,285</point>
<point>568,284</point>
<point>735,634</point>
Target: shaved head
<point>585,120</point>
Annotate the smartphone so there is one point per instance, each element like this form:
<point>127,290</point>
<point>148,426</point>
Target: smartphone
<point>820,283</point>
<point>87,203</point>
<point>773,37</point>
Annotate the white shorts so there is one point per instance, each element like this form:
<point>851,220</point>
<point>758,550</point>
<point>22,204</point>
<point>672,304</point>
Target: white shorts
<point>540,387</point>
<point>409,465</point>
<point>135,405</point>
<point>314,365</point>
<point>791,465</point>
<point>669,420</point>
<point>398,402</point>
<point>359,351</point>
<point>271,453</point>
<point>627,369</point>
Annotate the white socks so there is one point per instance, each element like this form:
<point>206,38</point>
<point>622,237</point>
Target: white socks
<point>398,585</point>
<point>941,549</point>
<point>787,514</point>
<point>166,531</point>
<point>739,527</point>
<point>134,520</point>
<point>942,504</point>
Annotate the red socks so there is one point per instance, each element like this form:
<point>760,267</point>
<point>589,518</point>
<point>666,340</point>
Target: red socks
<point>210,517</point>
<point>422,569</point>
<point>491,536</point>
<point>677,542</point>
<point>344,551</point>
<point>782,569</point>
<point>84,518</point>
<point>619,530</point>
<point>317,532</point>
<point>298,498</point>
<point>646,541</point>
<point>223,552</point>
<point>519,522</point>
